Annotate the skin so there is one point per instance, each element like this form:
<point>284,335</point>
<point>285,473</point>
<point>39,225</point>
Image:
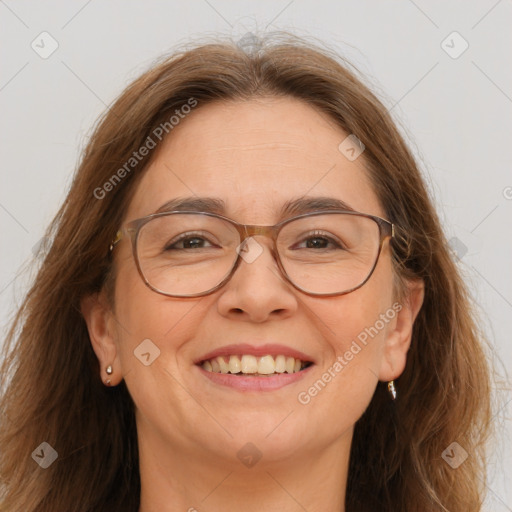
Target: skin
<point>255,155</point>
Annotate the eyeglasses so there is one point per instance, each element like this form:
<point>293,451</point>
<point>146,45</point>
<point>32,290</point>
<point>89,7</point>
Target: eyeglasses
<point>191,254</point>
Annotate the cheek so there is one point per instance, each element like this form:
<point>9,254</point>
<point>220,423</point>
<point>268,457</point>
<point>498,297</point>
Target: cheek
<point>355,327</point>
<point>356,332</point>
<point>349,375</point>
<point>150,327</point>
<point>356,324</point>
<point>151,330</point>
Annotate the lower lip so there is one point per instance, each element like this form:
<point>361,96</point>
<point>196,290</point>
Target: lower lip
<point>255,383</point>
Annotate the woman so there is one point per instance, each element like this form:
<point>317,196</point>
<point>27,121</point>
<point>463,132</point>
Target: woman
<point>172,354</point>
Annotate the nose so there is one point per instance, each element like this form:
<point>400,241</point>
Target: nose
<point>257,290</point>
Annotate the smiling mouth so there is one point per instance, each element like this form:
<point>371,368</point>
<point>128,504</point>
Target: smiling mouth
<point>249,365</point>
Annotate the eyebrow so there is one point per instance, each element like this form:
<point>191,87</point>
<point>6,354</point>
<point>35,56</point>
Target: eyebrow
<point>305,204</point>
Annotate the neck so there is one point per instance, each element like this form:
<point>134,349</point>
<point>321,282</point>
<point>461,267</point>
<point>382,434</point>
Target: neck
<point>175,479</point>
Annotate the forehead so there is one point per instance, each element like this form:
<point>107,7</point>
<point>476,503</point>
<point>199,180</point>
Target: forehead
<point>256,156</point>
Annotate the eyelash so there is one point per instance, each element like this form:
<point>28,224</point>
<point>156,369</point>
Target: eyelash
<point>198,235</point>
<point>183,237</point>
<point>318,234</point>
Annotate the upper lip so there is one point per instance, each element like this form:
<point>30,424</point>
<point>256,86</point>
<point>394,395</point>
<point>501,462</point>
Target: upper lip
<point>260,350</point>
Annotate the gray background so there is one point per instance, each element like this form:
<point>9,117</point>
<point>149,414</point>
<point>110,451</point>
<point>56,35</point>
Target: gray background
<point>454,108</point>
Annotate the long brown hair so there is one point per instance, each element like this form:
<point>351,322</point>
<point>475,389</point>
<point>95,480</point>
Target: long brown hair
<point>51,389</point>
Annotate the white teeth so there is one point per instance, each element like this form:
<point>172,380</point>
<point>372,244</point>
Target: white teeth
<point>266,365</point>
<point>224,367</point>
<point>252,365</point>
<point>280,364</point>
<point>215,365</point>
<point>234,364</point>
<point>249,364</point>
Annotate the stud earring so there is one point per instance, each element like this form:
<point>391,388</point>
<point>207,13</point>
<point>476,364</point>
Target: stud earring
<point>109,371</point>
<point>392,389</point>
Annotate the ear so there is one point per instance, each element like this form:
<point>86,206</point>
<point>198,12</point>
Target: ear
<point>398,337</point>
<point>100,324</point>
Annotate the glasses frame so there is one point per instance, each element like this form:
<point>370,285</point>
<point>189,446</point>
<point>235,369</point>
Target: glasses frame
<point>132,229</point>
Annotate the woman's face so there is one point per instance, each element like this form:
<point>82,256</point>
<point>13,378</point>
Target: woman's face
<point>255,156</point>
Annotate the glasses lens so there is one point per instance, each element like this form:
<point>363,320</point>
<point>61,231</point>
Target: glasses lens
<point>188,254</point>
<point>185,254</point>
<point>329,253</point>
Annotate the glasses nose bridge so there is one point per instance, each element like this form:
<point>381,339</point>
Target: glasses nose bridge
<point>249,230</point>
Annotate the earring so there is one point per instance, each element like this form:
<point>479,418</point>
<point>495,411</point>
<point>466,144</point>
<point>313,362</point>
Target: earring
<point>392,389</point>
<point>109,371</point>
